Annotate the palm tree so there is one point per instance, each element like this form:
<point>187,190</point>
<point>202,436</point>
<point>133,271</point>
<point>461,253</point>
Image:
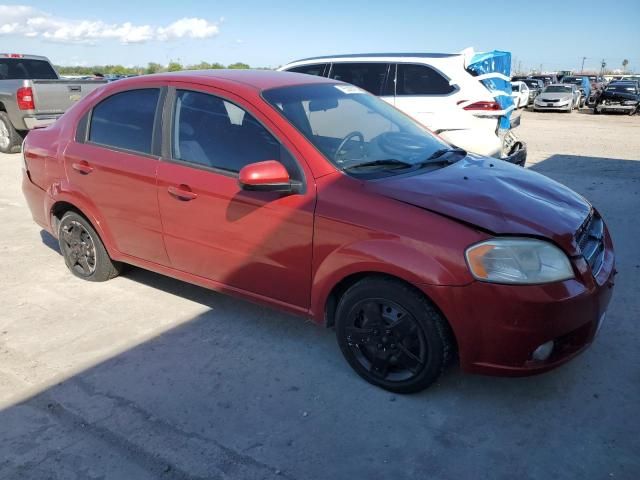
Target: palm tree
<point>625,62</point>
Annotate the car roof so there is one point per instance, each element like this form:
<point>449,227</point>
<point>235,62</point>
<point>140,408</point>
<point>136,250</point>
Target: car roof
<point>255,79</point>
<point>379,55</point>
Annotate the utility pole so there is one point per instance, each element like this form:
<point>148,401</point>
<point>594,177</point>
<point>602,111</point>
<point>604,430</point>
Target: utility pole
<point>582,67</point>
<point>602,65</point>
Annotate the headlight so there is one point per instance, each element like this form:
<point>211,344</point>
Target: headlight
<point>519,261</point>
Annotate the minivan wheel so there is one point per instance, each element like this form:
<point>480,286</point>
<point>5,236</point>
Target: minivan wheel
<point>10,139</point>
<point>392,335</point>
<point>83,251</point>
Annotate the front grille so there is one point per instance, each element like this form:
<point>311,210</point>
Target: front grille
<point>550,100</point>
<point>590,240</point>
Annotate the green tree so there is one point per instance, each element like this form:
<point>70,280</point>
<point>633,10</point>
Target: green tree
<point>238,66</point>
<point>174,66</point>
<point>153,67</point>
<point>216,66</point>
<point>625,62</point>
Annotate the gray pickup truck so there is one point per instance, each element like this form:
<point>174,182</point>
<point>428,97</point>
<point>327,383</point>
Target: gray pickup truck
<point>32,95</point>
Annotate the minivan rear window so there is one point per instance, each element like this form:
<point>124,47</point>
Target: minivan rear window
<point>421,80</point>
<point>26,69</point>
<point>125,120</point>
<point>315,69</point>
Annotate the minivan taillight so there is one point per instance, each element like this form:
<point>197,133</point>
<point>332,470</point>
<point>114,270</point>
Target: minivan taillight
<point>25,98</point>
<point>484,106</point>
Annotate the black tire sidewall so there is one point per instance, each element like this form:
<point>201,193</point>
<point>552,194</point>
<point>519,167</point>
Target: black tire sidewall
<point>15,140</point>
<point>105,267</point>
<point>430,321</point>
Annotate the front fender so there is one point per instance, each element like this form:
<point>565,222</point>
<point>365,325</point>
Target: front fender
<point>407,260</point>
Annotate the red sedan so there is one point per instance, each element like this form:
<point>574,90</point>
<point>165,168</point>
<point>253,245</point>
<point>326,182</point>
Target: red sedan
<point>313,196</point>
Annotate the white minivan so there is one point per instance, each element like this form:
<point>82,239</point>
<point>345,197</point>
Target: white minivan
<point>468,104</point>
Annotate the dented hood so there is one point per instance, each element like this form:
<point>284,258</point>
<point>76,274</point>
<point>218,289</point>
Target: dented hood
<point>495,196</point>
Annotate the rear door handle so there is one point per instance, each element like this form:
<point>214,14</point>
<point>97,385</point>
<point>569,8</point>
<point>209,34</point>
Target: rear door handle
<point>183,192</point>
<point>82,166</point>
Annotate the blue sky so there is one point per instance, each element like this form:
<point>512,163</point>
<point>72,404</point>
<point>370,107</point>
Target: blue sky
<point>556,34</point>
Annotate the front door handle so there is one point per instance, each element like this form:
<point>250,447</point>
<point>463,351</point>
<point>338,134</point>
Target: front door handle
<point>82,166</point>
<point>183,192</point>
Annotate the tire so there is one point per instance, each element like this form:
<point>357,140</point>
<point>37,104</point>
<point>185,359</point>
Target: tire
<point>392,335</point>
<point>83,251</point>
<point>10,139</point>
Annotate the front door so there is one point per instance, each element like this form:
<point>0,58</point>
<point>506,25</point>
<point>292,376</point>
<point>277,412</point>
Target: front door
<point>257,242</point>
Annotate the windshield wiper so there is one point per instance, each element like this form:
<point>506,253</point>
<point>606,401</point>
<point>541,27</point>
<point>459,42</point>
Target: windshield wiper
<point>436,157</point>
<point>390,162</point>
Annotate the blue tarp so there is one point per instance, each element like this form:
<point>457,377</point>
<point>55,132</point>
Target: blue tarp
<point>496,62</point>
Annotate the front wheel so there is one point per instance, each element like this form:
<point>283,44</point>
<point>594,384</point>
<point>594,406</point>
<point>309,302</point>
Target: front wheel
<point>83,251</point>
<point>392,335</point>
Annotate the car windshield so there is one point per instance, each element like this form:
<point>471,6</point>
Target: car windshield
<point>574,80</point>
<point>515,88</point>
<point>531,83</point>
<point>557,89</point>
<point>356,131</point>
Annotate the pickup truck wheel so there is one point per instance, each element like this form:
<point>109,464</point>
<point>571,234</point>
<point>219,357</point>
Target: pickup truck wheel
<point>392,335</point>
<point>83,251</point>
<point>10,139</point>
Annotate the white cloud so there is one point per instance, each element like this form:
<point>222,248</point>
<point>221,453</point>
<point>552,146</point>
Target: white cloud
<point>29,22</point>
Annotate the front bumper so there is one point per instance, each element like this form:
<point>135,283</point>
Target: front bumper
<point>498,327</point>
<point>615,108</point>
<point>551,106</point>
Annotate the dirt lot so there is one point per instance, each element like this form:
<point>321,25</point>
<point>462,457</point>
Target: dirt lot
<point>146,377</point>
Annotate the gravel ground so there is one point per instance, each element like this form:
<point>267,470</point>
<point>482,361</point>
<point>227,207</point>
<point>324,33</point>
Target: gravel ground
<point>147,377</point>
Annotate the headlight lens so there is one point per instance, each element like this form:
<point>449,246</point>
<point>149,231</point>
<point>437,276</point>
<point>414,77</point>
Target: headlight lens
<point>518,261</point>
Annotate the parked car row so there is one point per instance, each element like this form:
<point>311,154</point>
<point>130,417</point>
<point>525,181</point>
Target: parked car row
<point>578,91</point>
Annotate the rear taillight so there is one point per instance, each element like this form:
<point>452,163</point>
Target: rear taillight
<point>25,98</point>
<point>484,106</point>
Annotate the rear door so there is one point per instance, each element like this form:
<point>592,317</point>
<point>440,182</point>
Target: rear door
<point>257,242</point>
<point>426,94</point>
<point>374,77</point>
<point>113,163</point>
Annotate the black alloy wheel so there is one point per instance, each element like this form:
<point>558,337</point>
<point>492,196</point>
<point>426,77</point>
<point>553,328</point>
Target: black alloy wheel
<point>392,335</point>
<point>83,251</point>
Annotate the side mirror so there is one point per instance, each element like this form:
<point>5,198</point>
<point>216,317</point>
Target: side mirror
<point>267,176</point>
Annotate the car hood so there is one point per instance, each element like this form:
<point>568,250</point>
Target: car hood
<point>495,196</point>
<point>619,96</point>
<point>557,96</point>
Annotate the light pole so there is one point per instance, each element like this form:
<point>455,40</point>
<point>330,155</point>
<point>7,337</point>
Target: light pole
<point>582,67</point>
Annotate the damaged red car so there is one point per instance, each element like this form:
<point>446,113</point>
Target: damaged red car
<point>316,197</point>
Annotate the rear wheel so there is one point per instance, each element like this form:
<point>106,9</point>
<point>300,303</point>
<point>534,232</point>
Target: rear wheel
<point>83,251</point>
<point>10,139</point>
<point>392,335</point>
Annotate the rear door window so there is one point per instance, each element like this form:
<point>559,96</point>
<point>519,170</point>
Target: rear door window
<point>125,120</point>
<point>371,77</point>
<point>318,69</point>
<point>421,80</point>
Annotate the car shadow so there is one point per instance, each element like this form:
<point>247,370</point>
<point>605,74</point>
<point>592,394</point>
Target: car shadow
<point>243,391</point>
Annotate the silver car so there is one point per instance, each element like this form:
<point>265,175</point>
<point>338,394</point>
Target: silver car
<point>558,96</point>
